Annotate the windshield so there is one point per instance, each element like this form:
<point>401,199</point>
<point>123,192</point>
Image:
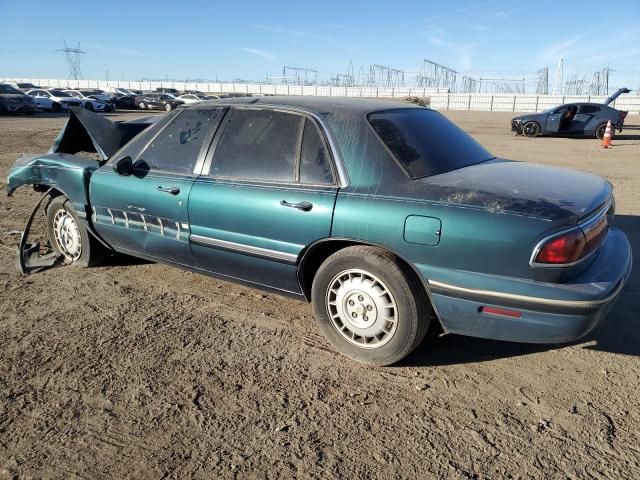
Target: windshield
<point>425,142</point>
<point>9,89</point>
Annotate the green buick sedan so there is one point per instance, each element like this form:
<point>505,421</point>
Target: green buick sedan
<point>386,216</point>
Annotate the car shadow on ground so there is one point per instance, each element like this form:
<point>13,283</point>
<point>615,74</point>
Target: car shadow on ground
<point>122,260</point>
<point>618,333</point>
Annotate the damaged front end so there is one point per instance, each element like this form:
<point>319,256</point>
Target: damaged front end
<point>516,126</point>
<point>30,258</point>
<point>85,142</point>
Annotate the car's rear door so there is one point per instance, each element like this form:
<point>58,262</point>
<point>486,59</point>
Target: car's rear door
<point>584,119</point>
<point>267,191</point>
<point>145,213</point>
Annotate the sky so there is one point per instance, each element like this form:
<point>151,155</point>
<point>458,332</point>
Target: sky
<point>194,39</point>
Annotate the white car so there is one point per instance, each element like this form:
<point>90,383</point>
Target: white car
<point>54,100</point>
<point>193,98</point>
<point>95,103</point>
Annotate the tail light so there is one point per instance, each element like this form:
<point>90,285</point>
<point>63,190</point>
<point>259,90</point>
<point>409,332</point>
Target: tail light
<point>623,115</point>
<point>574,245</point>
<point>566,248</point>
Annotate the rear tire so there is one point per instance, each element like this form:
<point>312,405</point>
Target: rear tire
<point>142,106</point>
<point>69,237</point>
<point>600,131</point>
<point>369,305</point>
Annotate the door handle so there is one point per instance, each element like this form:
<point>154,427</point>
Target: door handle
<point>171,190</point>
<point>304,206</point>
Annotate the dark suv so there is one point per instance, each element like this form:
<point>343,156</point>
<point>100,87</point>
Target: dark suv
<point>13,100</point>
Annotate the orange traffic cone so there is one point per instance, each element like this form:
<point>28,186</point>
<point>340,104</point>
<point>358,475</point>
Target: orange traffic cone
<point>606,140</point>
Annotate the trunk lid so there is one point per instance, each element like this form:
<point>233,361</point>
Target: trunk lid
<point>539,191</point>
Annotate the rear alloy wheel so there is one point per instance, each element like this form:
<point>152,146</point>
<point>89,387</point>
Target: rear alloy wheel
<point>600,131</point>
<point>531,129</point>
<point>68,237</point>
<point>369,305</point>
<point>142,106</point>
<point>168,107</point>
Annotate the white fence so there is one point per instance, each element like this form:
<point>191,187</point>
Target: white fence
<point>440,99</point>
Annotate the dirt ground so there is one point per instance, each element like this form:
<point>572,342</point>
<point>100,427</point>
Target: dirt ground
<point>136,370</point>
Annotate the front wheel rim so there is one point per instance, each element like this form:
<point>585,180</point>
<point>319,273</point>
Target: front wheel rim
<point>362,309</point>
<point>167,107</point>
<point>530,129</point>
<point>67,235</point>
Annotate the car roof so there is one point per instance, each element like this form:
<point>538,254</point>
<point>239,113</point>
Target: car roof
<point>335,105</point>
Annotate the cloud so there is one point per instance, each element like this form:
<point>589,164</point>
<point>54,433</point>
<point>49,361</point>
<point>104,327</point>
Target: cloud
<point>115,50</point>
<point>558,50</point>
<point>463,51</point>
<point>464,62</point>
<point>259,53</point>
<point>301,34</point>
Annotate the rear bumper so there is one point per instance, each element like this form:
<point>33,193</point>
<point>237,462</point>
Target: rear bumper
<point>548,313</point>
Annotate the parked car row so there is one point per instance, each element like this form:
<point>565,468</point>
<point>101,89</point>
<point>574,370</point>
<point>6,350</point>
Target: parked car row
<point>28,98</point>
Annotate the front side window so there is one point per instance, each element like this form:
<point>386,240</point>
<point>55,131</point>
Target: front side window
<point>260,145</point>
<point>176,148</point>
<point>424,142</point>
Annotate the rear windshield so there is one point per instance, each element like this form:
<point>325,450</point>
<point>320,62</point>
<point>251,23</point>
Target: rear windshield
<point>425,142</point>
<point>9,89</point>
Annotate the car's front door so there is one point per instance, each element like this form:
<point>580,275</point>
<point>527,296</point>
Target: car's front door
<point>267,191</point>
<point>145,212</point>
<point>554,119</point>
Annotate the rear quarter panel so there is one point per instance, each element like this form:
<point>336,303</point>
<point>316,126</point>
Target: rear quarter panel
<point>470,239</point>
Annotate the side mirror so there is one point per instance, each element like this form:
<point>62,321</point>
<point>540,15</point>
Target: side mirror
<point>123,166</point>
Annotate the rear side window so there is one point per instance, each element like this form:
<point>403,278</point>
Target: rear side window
<point>589,109</point>
<point>425,143</point>
<point>260,145</point>
<point>176,148</point>
<point>315,166</point>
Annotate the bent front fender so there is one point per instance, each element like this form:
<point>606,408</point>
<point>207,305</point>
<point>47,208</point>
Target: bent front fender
<point>69,174</point>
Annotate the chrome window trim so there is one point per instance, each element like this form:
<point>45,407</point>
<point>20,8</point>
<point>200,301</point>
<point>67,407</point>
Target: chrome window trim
<point>202,154</point>
<point>243,248</point>
<point>596,217</point>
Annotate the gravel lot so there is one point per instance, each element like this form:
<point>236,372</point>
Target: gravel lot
<point>136,370</point>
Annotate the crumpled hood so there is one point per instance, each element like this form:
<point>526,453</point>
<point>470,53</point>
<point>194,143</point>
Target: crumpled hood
<point>86,131</point>
<point>540,191</point>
